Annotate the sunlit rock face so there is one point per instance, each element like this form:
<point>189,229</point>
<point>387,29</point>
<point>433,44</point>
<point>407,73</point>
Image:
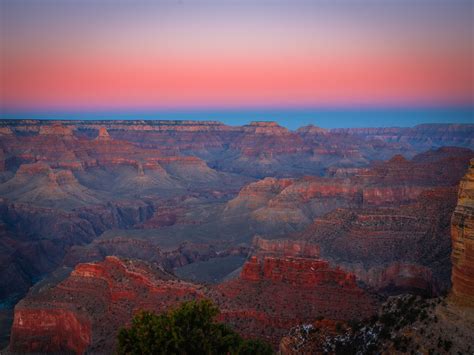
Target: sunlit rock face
<point>84,311</point>
<point>462,233</point>
<point>64,330</point>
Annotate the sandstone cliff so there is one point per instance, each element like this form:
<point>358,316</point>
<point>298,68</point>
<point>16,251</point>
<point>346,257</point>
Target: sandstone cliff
<point>462,233</point>
<point>85,311</point>
<point>285,283</point>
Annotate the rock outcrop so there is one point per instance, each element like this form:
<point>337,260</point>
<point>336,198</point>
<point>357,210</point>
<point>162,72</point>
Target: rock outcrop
<point>462,233</point>
<point>392,248</point>
<point>404,324</point>
<point>103,134</point>
<point>66,331</point>
<point>84,311</point>
<point>299,248</point>
<point>277,289</point>
<point>56,129</point>
<point>294,203</point>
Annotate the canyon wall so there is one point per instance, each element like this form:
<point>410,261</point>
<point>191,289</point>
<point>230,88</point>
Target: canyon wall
<point>462,233</point>
<point>279,288</point>
<point>85,311</point>
<point>366,200</point>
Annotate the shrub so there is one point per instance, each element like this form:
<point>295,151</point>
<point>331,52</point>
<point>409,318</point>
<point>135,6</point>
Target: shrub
<point>254,346</point>
<point>188,329</point>
<point>447,345</point>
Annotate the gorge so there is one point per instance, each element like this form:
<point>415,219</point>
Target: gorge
<point>99,219</point>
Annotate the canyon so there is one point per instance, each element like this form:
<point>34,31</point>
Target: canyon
<point>87,308</point>
<point>406,323</point>
<point>98,218</point>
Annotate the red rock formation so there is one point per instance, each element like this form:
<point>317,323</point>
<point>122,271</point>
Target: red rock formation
<point>85,311</point>
<point>50,330</point>
<point>258,194</point>
<point>300,272</point>
<point>103,134</point>
<point>5,131</point>
<point>276,291</point>
<point>293,201</point>
<point>462,234</point>
<point>286,247</point>
<point>60,187</point>
<point>441,167</point>
<point>266,127</point>
<point>293,262</point>
<point>258,149</point>
<point>390,184</point>
<point>392,249</point>
<point>388,195</point>
<point>38,237</point>
<point>33,169</point>
<point>266,139</point>
<point>56,129</point>
<point>251,270</point>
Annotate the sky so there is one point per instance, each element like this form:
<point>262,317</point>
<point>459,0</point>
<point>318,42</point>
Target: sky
<point>165,55</point>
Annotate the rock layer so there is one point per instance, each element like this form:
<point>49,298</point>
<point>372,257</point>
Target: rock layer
<point>462,232</point>
<point>64,183</point>
<point>277,290</point>
<point>85,311</point>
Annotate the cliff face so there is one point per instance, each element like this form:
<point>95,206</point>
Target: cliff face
<point>258,149</point>
<point>37,238</point>
<point>265,140</point>
<point>377,221</point>
<point>279,288</point>
<point>397,182</point>
<point>85,311</point>
<point>462,233</point>
<point>295,271</point>
<point>65,330</point>
<point>286,247</point>
<point>62,184</point>
<point>425,135</point>
<point>403,248</point>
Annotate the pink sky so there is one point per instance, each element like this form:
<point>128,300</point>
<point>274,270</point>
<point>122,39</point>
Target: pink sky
<point>168,54</point>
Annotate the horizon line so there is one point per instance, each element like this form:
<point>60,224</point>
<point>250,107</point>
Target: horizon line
<point>291,118</point>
